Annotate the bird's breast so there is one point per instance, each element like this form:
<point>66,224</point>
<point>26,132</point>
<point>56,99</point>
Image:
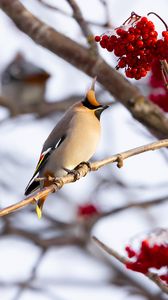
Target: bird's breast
<point>79,145</point>
<point>82,140</point>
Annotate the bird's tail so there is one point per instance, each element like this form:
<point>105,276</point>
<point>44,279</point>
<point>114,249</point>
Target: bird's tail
<point>39,206</point>
<point>32,187</point>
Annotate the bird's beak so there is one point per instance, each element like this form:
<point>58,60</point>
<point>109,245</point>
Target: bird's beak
<point>105,107</point>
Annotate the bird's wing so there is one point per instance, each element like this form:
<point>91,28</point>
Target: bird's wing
<point>59,132</point>
<point>53,141</point>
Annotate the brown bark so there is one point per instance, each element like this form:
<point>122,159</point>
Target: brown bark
<point>141,109</point>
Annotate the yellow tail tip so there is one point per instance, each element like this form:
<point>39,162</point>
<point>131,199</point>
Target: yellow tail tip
<point>38,212</point>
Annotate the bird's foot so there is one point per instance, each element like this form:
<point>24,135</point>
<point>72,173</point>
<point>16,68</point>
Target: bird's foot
<point>51,179</point>
<point>74,172</point>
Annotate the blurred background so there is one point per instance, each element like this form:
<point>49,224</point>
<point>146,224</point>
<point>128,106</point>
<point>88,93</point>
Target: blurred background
<point>54,258</point>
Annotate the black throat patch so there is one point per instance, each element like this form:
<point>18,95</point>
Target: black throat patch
<point>87,104</point>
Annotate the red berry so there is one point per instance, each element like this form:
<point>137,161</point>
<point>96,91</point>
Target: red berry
<point>131,30</point>
<point>139,25</point>
<point>110,46</point>
<point>122,63</point>
<point>121,32</point>
<point>139,44</point>
<point>150,25</point>
<point>145,30</point>
<point>134,71</point>
<point>119,50</point>
<point>130,48</point>
<point>103,44</point>
<point>151,41</point>
<point>143,72</point>
<point>131,37</point>
<point>113,38</point>
<point>137,31</point>
<point>87,210</point>
<point>147,67</point>
<point>131,253</point>
<point>129,73</point>
<point>138,76</point>
<point>144,20</point>
<point>131,60</point>
<point>164,33</point>
<point>141,52</point>
<point>145,36</point>
<point>97,38</point>
<point>153,33</point>
<point>105,37</point>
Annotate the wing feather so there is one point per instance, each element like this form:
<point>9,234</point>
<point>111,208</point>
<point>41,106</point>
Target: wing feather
<point>54,140</point>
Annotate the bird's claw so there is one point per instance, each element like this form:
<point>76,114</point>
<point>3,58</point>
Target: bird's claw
<point>74,172</point>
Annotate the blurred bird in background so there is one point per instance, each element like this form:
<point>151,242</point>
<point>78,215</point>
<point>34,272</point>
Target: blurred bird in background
<point>73,140</point>
<point>23,84</point>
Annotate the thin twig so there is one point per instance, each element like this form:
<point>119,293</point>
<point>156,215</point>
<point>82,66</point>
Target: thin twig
<point>111,251</point>
<point>28,282</point>
<point>106,9</point>
<point>59,10</point>
<point>64,13</point>
<point>154,277</point>
<point>140,204</point>
<point>82,171</point>
<point>77,14</point>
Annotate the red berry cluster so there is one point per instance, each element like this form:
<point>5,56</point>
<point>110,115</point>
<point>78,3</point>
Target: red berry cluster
<point>159,93</point>
<point>148,256</point>
<point>161,48</point>
<point>136,44</point>
<point>87,210</point>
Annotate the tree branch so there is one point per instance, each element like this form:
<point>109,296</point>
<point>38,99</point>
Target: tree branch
<point>142,110</point>
<point>42,109</point>
<point>154,277</point>
<point>64,13</point>
<point>81,171</point>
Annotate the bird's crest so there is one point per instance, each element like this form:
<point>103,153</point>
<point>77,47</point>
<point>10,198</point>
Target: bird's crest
<point>90,96</point>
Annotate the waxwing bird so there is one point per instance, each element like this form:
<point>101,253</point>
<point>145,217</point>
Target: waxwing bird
<point>73,140</point>
<point>23,83</point>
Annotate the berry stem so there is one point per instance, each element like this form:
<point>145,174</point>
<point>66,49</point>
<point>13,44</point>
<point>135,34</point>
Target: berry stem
<point>153,13</point>
<point>133,14</point>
